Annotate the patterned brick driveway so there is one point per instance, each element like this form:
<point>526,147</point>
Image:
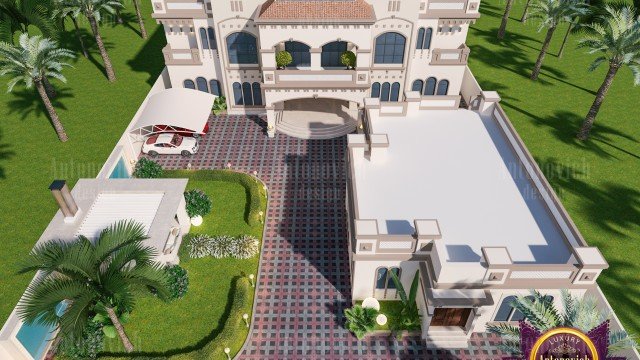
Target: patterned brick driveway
<point>304,280</point>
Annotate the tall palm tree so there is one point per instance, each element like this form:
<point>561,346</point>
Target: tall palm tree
<point>31,62</point>
<point>551,13</point>
<point>525,13</point>
<point>92,10</point>
<point>580,313</point>
<point>62,17</point>
<point>617,39</point>
<point>505,18</point>
<point>19,15</point>
<point>91,276</point>
<point>143,30</point>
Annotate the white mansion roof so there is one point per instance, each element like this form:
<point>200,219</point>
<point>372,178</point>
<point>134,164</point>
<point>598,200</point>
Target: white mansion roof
<point>456,167</point>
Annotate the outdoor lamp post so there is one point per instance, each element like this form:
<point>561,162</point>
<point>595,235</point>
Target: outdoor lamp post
<point>251,277</point>
<point>227,351</point>
<point>245,317</point>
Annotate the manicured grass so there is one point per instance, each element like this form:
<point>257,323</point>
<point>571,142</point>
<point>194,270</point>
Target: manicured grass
<point>597,180</point>
<point>94,113</point>
<point>189,323</point>
<point>392,310</point>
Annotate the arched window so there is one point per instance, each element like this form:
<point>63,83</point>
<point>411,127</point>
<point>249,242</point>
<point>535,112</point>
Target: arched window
<point>189,84</point>
<point>242,48</point>
<point>331,52</point>
<point>395,270</point>
<point>299,52</point>
<point>443,87</point>
<point>212,38</point>
<point>430,86</point>
<point>427,38</point>
<point>257,94</point>
<point>395,92</point>
<point>202,84</point>
<point>417,85</point>
<point>381,278</point>
<point>375,90</point>
<point>386,89</point>
<point>204,38</point>
<point>389,48</point>
<point>420,39</point>
<point>246,94</point>
<point>506,312</point>
<point>237,93</point>
<point>214,86</point>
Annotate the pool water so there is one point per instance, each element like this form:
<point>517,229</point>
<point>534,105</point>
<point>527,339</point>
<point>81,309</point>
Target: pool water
<point>35,337</point>
<point>120,171</point>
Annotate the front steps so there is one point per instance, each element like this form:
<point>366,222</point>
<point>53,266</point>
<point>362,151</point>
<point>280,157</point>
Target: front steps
<point>315,131</point>
<point>445,337</point>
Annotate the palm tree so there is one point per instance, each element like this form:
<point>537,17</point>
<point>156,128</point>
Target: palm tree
<point>410,318</point>
<point>18,15</point>
<point>617,39</point>
<point>104,275</point>
<point>552,13</point>
<point>92,10</point>
<point>580,313</point>
<point>61,16</point>
<point>360,320</point>
<point>505,18</point>
<point>31,62</point>
<point>143,30</point>
<point>525,13</point>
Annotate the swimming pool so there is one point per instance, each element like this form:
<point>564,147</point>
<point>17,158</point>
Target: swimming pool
<point>36,337</point>
<point>120,171</point>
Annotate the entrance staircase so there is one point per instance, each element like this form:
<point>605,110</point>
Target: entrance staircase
<point>316,118</point>
<point>306,130</point>
<point>446,337</point>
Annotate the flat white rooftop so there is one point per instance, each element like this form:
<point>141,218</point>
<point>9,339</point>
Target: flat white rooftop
<point>456,167</point>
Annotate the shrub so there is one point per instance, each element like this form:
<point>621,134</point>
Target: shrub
<point>283,58</point>
<point>198,203</point>
<point>178,281</point>
<point>244,247</point>
<point>219,105</point>
<point>348,59</point>
<point>86,347</point>
<point>147,169</point>
<point>220,246</point>
<point>360,321</point>
<point>199,246</point>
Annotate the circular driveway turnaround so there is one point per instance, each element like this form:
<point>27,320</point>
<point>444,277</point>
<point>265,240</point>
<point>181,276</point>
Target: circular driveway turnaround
<point>304,283</point>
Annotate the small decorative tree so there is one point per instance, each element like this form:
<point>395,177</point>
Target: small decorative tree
<point>147,169</point>
<point>219,105</point>
<point>360,321</point>
<point>178,281</point>
<point>198,203</point>
<point>348,59</point>
<point>409,316</point>
<point>283,58</point>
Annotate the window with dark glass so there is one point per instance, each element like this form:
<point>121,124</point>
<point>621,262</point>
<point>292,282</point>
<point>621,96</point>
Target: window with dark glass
<point>202,84</point>
<point>443,87</point>
<point>204,38</point>
<point>299,53</point>
<point>214,86</point>
<point>375,90</point>
<point>506,312</point>
<point>420,38</point>
<point>331,52</point>
<point>237,93</point>
<point>417,85</point>
<point>189,84</point>
<point>430,86</point>
<point>257,94</point>
<point>381,278</point>
<point>242,48</point>
<point>246,93</point>
<point>386,90</point>
<point>212,38</point>
<point>390,283</point>
<point>389,48</point>
<point>427,38</point>
<point>395,92</point>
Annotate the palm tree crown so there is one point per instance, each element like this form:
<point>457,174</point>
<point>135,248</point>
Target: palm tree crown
<point>18,15</point>
<point>90,275</point>
<point>579,313</point>
<point>93,8</point>
<point>551,13</point>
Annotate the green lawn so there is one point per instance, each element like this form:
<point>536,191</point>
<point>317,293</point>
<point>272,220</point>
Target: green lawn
<point>392,310</point>
<point>94,112</point>
<point>598,180</point>
<point>158,327</point>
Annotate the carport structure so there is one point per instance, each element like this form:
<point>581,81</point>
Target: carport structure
<point>175,110</point>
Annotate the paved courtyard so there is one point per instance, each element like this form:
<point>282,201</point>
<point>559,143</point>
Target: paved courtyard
<point>304,280</point>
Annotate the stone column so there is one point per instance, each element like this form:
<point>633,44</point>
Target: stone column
<point>316,59</point>
<point>271,121</point>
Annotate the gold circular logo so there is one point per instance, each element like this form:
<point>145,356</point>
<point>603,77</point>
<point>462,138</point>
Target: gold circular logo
<point>564,343</point>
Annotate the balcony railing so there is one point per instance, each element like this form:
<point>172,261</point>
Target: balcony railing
<point>316,79</point>
<point>181,56</point>
<point>458,56</point>
<point>177,9</point>
<point>458,9</point>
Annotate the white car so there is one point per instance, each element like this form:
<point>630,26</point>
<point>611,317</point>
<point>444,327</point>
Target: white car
<point>167,144</point>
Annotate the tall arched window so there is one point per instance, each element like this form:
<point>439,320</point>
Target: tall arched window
<point>331,52</point>
<point>237,93</point>
<point>395,270</point>
<point>389,48</point>
<point>386,90</point>
<point>427,38</point>
<point>381,278</point>
<point>420,38</point>
<point>430,86</point>
<point>189,84</point>
<point>242,48</point>
<point>299,53</point>
<point>257,94</point>
<point>375,90</point>
<point>246,94</point>
<point>204,38</point>
<point>214,86</point>
<point>417,85</point>
<point>395,92</point>
<point>212,38</point>
<point>443,87</point>
<point>202,84</point>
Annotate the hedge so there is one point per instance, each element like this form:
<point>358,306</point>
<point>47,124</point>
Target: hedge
<point>214,349</point>
<point>252,185</point>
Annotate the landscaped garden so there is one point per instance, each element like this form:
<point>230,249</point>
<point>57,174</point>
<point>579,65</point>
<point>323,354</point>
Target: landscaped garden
<point>597,179</point>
